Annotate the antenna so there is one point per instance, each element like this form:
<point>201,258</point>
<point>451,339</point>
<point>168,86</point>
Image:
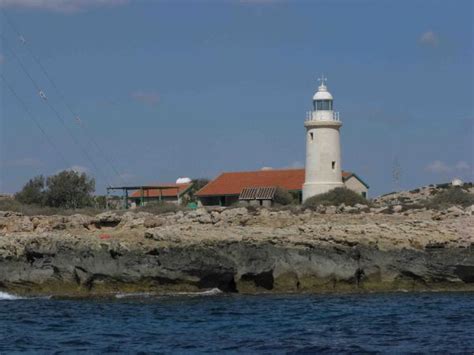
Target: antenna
<point>322,80</point>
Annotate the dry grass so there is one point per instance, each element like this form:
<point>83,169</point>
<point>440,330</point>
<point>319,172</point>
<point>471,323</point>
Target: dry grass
<point>160,208</point>
<point>35,210</point>
<point>453,196</point>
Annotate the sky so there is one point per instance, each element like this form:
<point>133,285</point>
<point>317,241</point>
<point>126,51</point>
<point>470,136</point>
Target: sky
<point>166,89</point>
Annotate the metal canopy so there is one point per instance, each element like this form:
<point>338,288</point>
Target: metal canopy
<point>142,188</point>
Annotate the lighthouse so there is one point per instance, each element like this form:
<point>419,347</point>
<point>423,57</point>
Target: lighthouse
<point>323,147</point>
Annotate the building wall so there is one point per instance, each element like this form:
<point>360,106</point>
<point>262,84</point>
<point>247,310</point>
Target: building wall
<point>354,184</point>
<point>224,200</point>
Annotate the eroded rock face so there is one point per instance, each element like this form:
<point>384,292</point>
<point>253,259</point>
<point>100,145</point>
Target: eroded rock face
<point>236,250</point>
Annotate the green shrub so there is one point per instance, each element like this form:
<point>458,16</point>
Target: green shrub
<point>100,201</point>
<point>33,192</point>
<point>336,197</point>
<point>454,196</point>
<point>66,189</point>
<point>283,197</point>
<point>69,189</point>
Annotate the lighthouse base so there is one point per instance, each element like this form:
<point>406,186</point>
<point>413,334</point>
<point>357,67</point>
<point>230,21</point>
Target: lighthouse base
<point>311,189</point>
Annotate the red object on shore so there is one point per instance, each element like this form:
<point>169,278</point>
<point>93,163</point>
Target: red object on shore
<point>104,236</point>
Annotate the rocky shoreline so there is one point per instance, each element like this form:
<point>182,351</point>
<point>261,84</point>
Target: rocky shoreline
<point>237,250</point>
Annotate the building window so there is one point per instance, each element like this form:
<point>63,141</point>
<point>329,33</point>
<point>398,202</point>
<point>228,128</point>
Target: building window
<point>311,136</point>
<point>364,194</point>
<point>333,165</point>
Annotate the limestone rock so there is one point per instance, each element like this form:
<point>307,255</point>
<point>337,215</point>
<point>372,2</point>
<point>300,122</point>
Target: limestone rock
<point>469,210</point>
<point>153,222</point>
<point>108,218</point>
<point>234,212</point>
<point>234,249</point>
<point>79,221</point>
<point>454,211</point>
<point>361,207</point>
<point>397,208</point>
<point>383,209</point>
<point>10,214</point>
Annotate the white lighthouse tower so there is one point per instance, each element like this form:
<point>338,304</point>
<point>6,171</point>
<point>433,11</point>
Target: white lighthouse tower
<point>323,148</point>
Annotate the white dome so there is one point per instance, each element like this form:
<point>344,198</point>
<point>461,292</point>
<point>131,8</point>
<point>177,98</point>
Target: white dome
<point>322,93</point>
<point>183,180</point>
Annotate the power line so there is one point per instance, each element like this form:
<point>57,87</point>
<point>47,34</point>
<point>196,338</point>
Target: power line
<point>61,95</point>
<point>33,118</point>
<point>43,96</point>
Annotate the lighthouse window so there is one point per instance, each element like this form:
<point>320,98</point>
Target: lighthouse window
<point>333,165</point>
<point>324,105</point>
<point>311,136</point>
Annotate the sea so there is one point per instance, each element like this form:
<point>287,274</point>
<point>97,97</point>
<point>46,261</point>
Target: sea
<point>214,322</point>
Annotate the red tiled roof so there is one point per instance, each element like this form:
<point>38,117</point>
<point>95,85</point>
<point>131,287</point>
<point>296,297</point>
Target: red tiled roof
<point>165,192</point>
<point>234,183</point>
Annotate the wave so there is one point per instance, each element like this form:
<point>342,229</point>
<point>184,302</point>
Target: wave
<point>8,296</point>
<point>133,294</point>
<point>211,292</point>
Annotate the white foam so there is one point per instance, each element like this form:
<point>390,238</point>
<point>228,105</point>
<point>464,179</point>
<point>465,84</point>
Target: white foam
<point>211,292</point>
<point>133,294</point>
<point>8,296</point>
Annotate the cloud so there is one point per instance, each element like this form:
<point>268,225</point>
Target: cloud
<point>439,167</point>
<point>462,165</point>
<point>148,98</point>
<point>429,39</point>
<point>64,6</point>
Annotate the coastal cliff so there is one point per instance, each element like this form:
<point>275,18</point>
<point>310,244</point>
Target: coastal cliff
<point>236,250</point>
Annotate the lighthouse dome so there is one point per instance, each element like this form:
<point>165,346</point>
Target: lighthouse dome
<point>322,93</point>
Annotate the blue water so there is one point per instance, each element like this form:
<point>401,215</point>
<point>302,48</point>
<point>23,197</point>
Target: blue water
<point>424,322</point>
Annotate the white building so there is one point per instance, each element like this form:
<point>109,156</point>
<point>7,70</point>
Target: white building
<point>323,148</point>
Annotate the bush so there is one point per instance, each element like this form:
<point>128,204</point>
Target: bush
<point>69,189</point>
<point>454,196</point>
<point>283,197</point>
<point>100,201</point>
<point>33,192</point>
<point>335,197</point>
